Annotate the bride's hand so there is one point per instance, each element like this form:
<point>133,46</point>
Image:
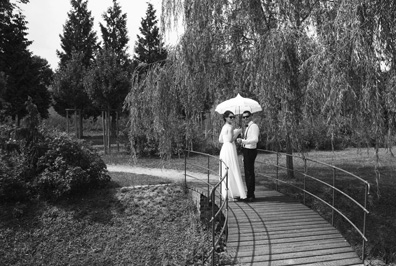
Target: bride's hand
<point>237,131</point>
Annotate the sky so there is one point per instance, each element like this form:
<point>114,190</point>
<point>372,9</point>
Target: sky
<point>46,19</point>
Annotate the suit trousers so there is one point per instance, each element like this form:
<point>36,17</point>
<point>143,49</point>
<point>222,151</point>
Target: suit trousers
<point>249,157</point>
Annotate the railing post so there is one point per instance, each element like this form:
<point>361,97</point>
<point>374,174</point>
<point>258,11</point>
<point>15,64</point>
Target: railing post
<point>305,175</point>
<point>213,226</point>
<point>277,171</point>
<point>226,183</point>
<point>333,203</point>
<point>208,181</point>
<point>366,193</point>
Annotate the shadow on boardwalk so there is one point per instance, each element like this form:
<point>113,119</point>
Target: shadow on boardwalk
<point>276,230</point>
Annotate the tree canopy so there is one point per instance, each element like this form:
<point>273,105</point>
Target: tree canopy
<point>23,75</point>
<point>149,47</point>
<point>78,34</point>
<point>79,46</point>
<point>313,65</point>
<point>108,80</point>
<point>115,33</point>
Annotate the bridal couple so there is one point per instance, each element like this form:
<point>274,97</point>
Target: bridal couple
<point>228,154</point>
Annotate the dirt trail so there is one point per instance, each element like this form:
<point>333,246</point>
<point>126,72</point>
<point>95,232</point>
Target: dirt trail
<point>175,175</point>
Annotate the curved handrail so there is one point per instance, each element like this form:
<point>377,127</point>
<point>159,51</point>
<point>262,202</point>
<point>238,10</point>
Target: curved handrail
<point>328,185</point>
<point>332,186</point>
<point>212,196</point>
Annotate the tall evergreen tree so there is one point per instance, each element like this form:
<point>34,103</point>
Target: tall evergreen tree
<point>149,47</point>
<point>78,35</point>
<point>79,45</point>
<point>23,75</point>
<point>108,80</point>
<point>115,33</point>
<point>68,87</point>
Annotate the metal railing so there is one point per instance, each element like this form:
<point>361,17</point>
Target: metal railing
<point>211,192</point>
<point>332,186</point>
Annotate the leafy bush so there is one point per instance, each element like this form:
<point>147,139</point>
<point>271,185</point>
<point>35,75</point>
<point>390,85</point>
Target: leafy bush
<point>35,162</point>
<point>12,185</point>
<point>69,166</point>
<point>12,167</point>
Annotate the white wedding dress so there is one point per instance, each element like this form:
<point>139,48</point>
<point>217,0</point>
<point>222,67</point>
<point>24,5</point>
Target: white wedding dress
<point>228,154</point>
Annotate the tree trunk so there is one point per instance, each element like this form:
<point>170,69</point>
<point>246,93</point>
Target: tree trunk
<point>114,125</point>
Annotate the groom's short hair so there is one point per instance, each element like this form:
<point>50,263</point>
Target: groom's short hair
<point>248,112</point>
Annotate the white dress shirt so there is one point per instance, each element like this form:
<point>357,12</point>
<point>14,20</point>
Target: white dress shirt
<point>250,136</point>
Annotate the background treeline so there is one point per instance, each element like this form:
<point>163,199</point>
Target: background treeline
<point>322,70</point>
<point>92,75</point>
<point>37,160</point>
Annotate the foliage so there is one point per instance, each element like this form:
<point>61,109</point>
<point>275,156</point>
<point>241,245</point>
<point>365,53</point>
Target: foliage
<point>78,35</point>
<point>79,45</point>
<point>69,166</point>
<point>68,86</point>
<point>12,166</point>
<point>3,85</point>
<point>36,162</point>
<point>115,33</point>
<point>153,110</point>
<point>149,47</point>
<point>107,82</point>
<point>23,75</point>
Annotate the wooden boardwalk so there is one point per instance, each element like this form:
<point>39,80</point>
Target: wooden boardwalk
<point>277,230</point>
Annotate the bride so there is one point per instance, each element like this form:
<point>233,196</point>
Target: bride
<point>228,154</point>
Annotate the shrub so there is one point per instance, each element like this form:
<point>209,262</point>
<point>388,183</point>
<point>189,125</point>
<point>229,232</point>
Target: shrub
<point>12,185</point>
<point>69,166</point>
<point>12,166</point>
<point>46,164</point>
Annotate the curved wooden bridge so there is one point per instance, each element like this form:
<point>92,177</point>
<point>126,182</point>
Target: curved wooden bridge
<point>276,230</point>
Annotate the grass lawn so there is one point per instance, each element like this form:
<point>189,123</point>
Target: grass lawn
<point>153,225</point>
<point>146,225</point>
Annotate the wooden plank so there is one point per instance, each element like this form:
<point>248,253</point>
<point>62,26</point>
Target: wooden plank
<point>302,254</point>
<point>276,230</point>
<point>290,247</point>
<point>271,236</point>
<point>324,259</point>
<point>252,241</point>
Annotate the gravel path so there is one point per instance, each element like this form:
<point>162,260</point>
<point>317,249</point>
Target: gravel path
<point>175,175</point>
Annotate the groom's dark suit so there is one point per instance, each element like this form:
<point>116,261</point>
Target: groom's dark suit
<point>249,144</point>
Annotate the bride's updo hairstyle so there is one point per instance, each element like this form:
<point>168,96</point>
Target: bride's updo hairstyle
<point>226,114</point>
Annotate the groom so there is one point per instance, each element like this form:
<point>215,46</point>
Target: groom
<point>249,144</point>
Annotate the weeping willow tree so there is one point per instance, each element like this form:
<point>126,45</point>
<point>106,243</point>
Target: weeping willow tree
<point>353,70</point>
<point>302,60</point>
<point>165,106</point>
<point>252,47</point>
